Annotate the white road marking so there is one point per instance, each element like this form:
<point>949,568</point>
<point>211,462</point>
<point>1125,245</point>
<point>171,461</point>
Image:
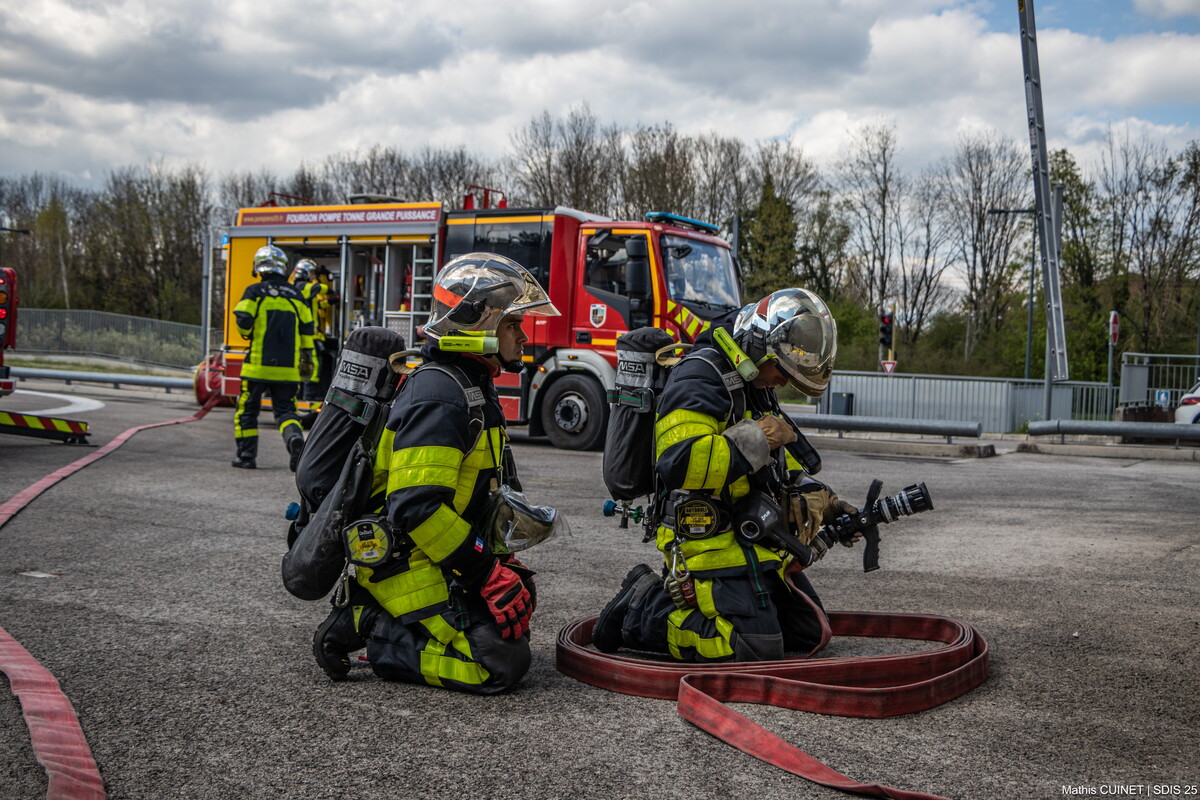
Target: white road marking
<point>74,405</point>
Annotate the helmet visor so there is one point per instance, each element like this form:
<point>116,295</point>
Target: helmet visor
<point>804,345</point>
<point>532,301</point>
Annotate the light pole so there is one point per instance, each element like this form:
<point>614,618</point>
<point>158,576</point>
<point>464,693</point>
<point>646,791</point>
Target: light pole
<point>1032,270</point>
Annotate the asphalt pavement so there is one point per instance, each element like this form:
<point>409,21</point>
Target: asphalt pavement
<point>191,671</point>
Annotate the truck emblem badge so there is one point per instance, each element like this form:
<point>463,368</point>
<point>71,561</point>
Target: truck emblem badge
<point>599,313</point>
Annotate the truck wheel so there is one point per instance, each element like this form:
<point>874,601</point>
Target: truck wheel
<point>574,414</point>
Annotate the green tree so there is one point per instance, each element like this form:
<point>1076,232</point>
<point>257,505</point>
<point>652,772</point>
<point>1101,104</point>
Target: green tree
<point>768,244</point>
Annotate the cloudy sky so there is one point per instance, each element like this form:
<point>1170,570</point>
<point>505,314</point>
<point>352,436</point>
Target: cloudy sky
<point>89,85</point>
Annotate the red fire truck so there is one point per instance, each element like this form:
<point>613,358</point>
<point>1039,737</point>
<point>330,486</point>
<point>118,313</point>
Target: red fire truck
<point>8,325</point>
<point>605,276</point>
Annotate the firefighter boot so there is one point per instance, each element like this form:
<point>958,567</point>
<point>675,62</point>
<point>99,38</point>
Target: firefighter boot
<point>607,634</point>
<point>247,450</point>
<point>295,447</point>
<point>338,636</point>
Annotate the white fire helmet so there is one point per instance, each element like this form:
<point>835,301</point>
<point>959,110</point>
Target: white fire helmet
<point>270,259</point>
<point>793,328</point>
<point>473,292</point>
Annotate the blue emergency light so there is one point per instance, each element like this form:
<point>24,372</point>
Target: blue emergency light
<point>663,218</point>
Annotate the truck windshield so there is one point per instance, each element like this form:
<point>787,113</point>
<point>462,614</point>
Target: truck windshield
<point>700,273</point>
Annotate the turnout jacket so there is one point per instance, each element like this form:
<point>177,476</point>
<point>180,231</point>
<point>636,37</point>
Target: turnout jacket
<point>277,320</point>
<point>433,470</point>
<point>692,454</point>
<point>318,303</point>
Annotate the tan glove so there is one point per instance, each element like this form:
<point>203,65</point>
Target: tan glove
<point>806,512</point>
<point>836,508</point>
<point>777,431</point>
<point>306,364</point>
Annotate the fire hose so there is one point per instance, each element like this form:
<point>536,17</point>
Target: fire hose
<point>58,741</point>
<point>860,686</point>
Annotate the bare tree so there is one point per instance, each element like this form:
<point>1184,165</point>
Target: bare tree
<point>824,234</point>
<point>873,189</point>
<point>723,180</point>
<point>1155,204</point>
<point>574,161</point>
<point>658,173</point>
<point>922,255</point>
<point>985,172</point>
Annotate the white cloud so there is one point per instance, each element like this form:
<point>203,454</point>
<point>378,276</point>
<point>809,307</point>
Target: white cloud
<point>1165,9</point>
<point>88,86</point>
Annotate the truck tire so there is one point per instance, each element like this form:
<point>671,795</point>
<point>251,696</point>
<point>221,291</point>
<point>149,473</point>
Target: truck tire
<point>574,414</point>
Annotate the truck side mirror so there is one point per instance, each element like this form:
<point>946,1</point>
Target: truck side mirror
<point>637,267</point>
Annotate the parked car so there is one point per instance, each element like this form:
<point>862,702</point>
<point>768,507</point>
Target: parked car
<point>1188,410</point>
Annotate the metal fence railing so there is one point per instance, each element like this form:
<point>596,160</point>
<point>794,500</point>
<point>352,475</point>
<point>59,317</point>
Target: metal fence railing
<point>99,333</point>
<point>1002,405</point>
<point>1145,377</point>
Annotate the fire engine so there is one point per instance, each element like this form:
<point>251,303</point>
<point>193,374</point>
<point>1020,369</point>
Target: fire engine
<point>71,431</point>
<point>606,277</point>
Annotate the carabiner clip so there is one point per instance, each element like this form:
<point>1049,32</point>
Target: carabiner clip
<point>341,592</point>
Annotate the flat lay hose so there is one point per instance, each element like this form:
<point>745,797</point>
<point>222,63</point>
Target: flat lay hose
<point>55,735</point>
<point>859,686</point>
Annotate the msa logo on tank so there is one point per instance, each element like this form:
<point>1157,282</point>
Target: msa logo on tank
<point>598,313</point>
<point>359,373</point>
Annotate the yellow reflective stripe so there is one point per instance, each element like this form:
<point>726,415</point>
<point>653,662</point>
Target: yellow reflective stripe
<point>693,326</point>
<point>421,586</point>
<point>681,425</point>
<point>436,666</point>
<point>431,657</point>
<point>283,428</point>
<point>424,466</point>
<point>442,533</point>
<point>722,551</point>
<point>714,648</point>
<point>708,464</point>
<point>479,459</point>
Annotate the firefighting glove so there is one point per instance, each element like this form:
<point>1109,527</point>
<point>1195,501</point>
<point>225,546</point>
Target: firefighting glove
<point>836,508</point>
<point>526,576</point>
<point>805,514</point>
<point>306,364</point>
<point>777,431</point>
<point>508,600</point>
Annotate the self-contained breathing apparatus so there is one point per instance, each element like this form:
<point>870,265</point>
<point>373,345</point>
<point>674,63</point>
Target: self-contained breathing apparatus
<point>332,529</point>
<point>644,359</point>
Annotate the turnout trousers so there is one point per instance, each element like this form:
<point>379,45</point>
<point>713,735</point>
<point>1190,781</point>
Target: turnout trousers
<point>249,404</point>
<point>432,650</point>
<point>737,618</point>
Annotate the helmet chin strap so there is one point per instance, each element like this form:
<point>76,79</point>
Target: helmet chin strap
<point>510,365</point>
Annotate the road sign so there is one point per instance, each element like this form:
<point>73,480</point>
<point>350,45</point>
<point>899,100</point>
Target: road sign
<point>1114,326</point>
<point>1163,398</point>
<point>888,366</point>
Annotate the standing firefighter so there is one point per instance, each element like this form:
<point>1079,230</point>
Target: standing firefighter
<point>449,605</point>
<point>277,320</point>
<point>304,278</point>
<point>721,446</point>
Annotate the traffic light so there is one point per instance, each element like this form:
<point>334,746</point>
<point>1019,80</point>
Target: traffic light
<point>885,330</point>
<point>8,307</point>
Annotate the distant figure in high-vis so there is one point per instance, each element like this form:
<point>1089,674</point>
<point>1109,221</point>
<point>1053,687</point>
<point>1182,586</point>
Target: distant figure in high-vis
<point>278,321</point>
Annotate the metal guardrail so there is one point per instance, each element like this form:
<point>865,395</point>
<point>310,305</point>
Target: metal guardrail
<point>1129,430</point>
<point>115,378</point>
<point>99,333</point>
<point>930,427</point>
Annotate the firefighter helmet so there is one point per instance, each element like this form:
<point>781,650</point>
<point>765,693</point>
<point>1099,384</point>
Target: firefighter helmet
<point>475,291</point>
<point>270,259</point>
<point>793,328</point>
<point>304,270</point>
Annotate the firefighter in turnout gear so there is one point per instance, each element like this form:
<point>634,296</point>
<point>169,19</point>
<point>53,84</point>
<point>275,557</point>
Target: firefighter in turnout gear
<point>451,607</point>
<point>277,321</point>
<point>304,278</point>
<point>718,437</point>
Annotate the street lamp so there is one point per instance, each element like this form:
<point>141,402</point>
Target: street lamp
<point>1032,269</point>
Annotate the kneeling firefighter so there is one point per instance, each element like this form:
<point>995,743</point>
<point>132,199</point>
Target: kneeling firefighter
<point>724,451</point>
<point>438,597</point>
